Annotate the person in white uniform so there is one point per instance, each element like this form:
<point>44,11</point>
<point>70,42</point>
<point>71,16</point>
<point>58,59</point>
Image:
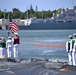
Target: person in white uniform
<point>9,47</point>
<point>69,50</point>
<point>16,43</point>
<point>74,50</point>
<point>1,48</point>
<point>4,46</point>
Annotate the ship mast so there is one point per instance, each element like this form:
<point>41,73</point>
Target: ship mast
<point>8,25</point>
<point>27,12</point>
<point>4,15</point>
<point>42,14</point>
<point>72,3</point>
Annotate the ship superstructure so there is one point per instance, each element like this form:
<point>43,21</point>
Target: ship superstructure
<point>65,19</point>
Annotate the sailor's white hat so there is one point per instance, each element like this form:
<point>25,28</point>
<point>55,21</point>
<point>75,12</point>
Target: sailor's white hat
<point>2,37</point>
<point>9,37</point>
<point>16,33</point>
<point>74,34</point>
<point>70,36</point>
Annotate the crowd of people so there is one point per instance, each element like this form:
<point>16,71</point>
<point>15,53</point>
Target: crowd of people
<point>9,46</point>
<point>71,49</point>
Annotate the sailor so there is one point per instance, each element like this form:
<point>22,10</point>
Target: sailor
<point>69,50</point>
<point>1,49</point>
<point>74,50</point>
<point>4,46</point>
<point>16,43</point>
<point>9,46</point>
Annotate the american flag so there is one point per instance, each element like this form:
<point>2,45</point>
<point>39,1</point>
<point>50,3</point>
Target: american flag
<point>13,26</point>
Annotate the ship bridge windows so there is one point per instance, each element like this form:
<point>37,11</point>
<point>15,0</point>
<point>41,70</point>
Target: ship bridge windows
<point>64,15</point>
<point>60,18</point>
<point>71,14</point>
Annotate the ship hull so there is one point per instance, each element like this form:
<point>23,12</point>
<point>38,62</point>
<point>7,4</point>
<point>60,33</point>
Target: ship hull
<point>47,26</point>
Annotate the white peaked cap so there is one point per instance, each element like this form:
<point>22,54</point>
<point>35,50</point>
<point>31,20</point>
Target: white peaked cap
<point>9,37</point>
<point>70,36</point>
<point>74,34</point>
<point>16,33</point>
<point>1,37</point>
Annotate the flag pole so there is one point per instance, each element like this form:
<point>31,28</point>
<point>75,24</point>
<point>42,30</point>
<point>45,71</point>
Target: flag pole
<point>8,26</point>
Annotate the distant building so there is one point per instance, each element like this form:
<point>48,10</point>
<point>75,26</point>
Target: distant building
<point>6,21</point>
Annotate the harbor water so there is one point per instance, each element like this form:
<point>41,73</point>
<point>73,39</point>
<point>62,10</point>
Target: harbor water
<point>29,50</point>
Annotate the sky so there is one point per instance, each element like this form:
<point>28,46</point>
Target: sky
<point>41,4</point>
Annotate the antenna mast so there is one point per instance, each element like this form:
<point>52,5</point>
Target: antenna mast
<point>27,12</point>
<point>8,26</point>
<point>72,3</point>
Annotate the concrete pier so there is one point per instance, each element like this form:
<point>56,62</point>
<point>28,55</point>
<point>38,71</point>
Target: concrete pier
<point>35,66</point>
